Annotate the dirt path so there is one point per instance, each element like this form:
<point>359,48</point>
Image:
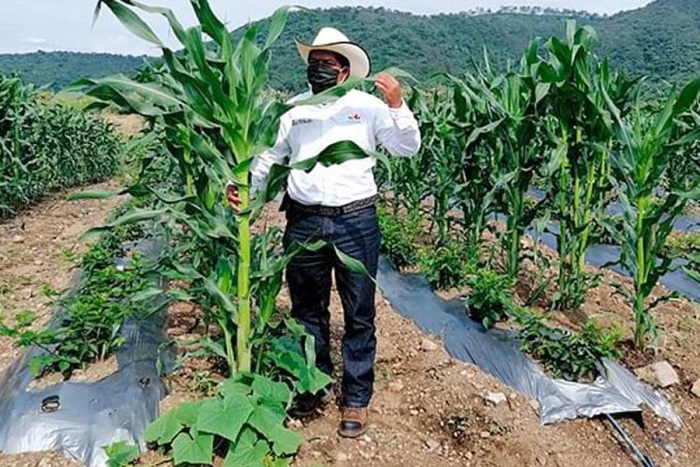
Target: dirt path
<point>39,250</point>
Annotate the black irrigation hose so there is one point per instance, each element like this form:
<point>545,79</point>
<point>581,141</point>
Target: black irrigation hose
<point>644,460</point>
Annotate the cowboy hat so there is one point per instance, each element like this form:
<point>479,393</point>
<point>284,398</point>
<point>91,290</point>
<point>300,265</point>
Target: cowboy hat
<point>332,40</point>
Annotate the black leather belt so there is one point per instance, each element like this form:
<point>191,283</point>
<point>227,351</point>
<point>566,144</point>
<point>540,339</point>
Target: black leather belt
<point>327,211</point>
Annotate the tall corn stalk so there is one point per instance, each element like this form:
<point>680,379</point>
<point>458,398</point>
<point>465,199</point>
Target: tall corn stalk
<point>580,128</point>
<point>647,141</point>
<point>212,102</point>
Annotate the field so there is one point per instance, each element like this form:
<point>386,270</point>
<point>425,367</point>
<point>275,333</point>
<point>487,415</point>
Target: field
<point>553,200</point>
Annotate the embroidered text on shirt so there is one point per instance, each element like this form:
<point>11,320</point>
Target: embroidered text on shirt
<point>301,121</point>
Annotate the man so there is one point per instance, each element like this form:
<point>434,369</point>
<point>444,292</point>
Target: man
<point>336,204</point>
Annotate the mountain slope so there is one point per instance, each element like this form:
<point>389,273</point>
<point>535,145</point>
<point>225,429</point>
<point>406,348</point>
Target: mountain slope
<point>61,68</point>
<point>661,40</point>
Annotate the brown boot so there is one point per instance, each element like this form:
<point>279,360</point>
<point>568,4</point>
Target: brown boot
<point>353,423</point>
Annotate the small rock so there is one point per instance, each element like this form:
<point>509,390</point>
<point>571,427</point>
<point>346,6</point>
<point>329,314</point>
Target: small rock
<point>18,239</point>
<point>535,405</point>
<point>432,445</point>
<point>341,457</point>
<point>366,439</point>
<point>667,446</point>
<point>316,454</point>
<point>294,423</point>
<point>659,374</point>
<point>696,388</point>
<point>27,293</point>
<point>495,398</point>
<point>395,386</point>
<point>542,460</point>
<point>427,345</point>
<point>469,455</point>
<point>414,412</point>
<point>484,435</point>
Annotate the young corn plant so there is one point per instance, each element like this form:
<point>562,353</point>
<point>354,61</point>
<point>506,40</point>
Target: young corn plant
<point>580,130</point>
<point>45,146</point>
<point>512,102</point>
<point>475,164</point>
<point>647,141</point>
<point>436,167</point>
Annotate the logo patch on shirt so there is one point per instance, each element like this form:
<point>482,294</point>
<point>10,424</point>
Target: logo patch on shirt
<point>355,118</point>
<point>301,121</point>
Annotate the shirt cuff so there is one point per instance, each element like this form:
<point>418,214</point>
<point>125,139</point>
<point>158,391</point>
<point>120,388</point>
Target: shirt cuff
<point>402,111</point>
<point>403,117</point>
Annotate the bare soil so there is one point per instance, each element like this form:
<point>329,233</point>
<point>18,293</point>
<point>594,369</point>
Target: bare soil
<point>40,249</point>
<point>127,125</point>
<point>428,409</point>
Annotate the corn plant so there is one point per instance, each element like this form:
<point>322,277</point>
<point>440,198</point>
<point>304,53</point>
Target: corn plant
<point>433,172</point>
<point>512,105</point>
<point>211,101</point>
<point>45,146</point>
<point>647,141</point>
<point>216,120</point>
<point>580,130</point>
<point>476,175</point>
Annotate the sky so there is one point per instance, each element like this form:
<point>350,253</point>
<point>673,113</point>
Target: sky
<point>30,25</point>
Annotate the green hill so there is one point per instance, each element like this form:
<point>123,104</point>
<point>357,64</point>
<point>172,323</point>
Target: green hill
<point>61,68</point>
<point>661,40</point>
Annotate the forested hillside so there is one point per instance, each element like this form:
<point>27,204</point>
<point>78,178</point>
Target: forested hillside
<point>661,40</point>
<point>61,68</point>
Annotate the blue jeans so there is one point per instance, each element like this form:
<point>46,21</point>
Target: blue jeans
<point>309,278</point>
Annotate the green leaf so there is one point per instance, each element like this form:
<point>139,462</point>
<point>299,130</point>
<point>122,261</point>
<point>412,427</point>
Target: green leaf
<point>687,97</point>
<point>268,389</point>
<point>147,294</point>
<point>351,263</point>
<point>282,462</point>
<point>249,451</point>
<point>94,194</point>
<point>131,217</point>
<point>121,454</point>
<point>164,429</point>
<point>36,365</point>
<point>197,450</point>
<point>188,412</point>
<point>267,418</point>
<point>224,417</point>
<point>222,299</point>
<point>232,387</point>
<point>278,22</point>
<point>284,441</point>
<point>132,21</point>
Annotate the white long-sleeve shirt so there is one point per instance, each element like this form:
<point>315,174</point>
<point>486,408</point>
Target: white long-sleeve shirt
<point>305,131</point>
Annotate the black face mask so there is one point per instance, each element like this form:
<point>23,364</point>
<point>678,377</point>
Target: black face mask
<point>321,76</point>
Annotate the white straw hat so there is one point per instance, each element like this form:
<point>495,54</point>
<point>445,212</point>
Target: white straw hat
<point>335,41</point>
